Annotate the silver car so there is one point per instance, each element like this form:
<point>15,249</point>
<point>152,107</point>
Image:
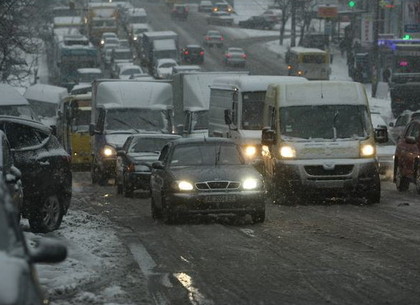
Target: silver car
<point>235,57</point>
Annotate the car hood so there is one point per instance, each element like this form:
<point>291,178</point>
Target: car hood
<point>215,173</point>
<point>14,271</point>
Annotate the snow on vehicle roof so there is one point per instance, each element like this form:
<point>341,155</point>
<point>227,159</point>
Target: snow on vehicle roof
<point>134,94</point>
<point>67,20</point>
<point>137,11</point>
<point>307,50</point>
<point>89,70</point>
<point>10,96</point>
<point>139,26</point>
<point>166,60</point>
<point>161,33</point>
<point>322,93</point>
<point>61,32</point>
<point>164,44</point>
<point>249,83</point>
<point>45,93</point>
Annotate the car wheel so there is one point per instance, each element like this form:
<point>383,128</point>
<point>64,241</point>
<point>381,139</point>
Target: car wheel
<point>402,183</point>
<point>258,216</point>
<point>417,180</point>
<point>156,212</point>
<point>374,194</point>
<point>127,189</point>
<point>47,215</point>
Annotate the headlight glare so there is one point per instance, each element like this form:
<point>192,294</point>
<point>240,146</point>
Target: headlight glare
<point>367,150</point>
<point>250,184</point>
<point>109,151</point>
<point>185,186</point>
<point>250,151</point>
<point>287,152</point>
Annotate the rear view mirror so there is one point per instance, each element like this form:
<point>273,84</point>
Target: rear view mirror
<point>228,117</point>
<point>268,136</point>
<point>381,134</point>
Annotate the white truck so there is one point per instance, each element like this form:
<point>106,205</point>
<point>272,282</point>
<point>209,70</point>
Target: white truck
<point>191,100</point>
<point>236,104</point>
<point>121,108</point>
<point>319,141</point>
<point>159,44</point>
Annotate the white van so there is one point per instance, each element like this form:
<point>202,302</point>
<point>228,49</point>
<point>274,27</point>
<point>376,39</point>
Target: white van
<point>44,100</point>
<point>319,140</point>
<point>14,104</point>
<point>236,108</point>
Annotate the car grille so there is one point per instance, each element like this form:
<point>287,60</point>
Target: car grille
<point>319,170</point>
<point>217,185</point>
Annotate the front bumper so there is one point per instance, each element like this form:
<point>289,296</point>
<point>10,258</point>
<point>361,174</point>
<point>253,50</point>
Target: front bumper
<point>216,202</point>
<point>312,177</point>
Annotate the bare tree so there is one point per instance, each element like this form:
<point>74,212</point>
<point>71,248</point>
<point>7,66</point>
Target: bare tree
<point>18,28</point>
<point>284,6</point>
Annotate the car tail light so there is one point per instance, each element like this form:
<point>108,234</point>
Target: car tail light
<point>186,52</point>
<point>131,168</point>
<point>221,38</point>
<point>201,52</point>
<point>207,38</point>
<point>228,55</point>
<point>244,56</point>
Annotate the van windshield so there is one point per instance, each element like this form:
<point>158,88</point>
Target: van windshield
<point>128,119</point>
<point>24,111</point>
<point>252,110</point>
<point>314,59</point>
<point>325,122</point>
<point>44,109</point>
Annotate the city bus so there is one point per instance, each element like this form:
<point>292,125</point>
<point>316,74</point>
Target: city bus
<point>311,63</point>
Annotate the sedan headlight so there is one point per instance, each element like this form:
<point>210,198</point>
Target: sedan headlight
<point>185,185</point>
<point>109,151</point>
<point>287,152</point>
<point>367,150</point>
<point>250,184</point>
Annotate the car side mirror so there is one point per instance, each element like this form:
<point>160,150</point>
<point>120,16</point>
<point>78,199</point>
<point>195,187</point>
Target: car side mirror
<point>157,165</point>
<point>381,134</point>
<point>228,116</point>
<point>268,136</point>
<point>391,124</point>
<point>180,129</point>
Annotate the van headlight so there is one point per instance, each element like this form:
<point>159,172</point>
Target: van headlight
<point>109,151</point>
<point>250,151</point>
<point>367,150</point>
<point>287,152</point>
<point>250,184</point>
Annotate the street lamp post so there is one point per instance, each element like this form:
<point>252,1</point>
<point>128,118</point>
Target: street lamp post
<point>375,50</point>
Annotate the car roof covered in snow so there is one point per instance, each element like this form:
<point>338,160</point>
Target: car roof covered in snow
<point>45,93</point>
<point>10,96</point>
<point>134,94</point>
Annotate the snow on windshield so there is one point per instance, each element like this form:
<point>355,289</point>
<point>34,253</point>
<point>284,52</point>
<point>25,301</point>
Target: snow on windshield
<point>135,119</point>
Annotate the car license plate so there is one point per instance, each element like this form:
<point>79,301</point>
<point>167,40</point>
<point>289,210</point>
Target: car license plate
<point>220,198</point>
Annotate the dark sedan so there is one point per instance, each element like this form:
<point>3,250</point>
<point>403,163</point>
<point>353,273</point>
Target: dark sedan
<point>134,161</point>
<point>46,172</point>
<point>201,176</point>
<point>192,54</point>
<point>257,22</point>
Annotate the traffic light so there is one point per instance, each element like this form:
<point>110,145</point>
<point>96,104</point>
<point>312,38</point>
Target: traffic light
<point>351,4</point>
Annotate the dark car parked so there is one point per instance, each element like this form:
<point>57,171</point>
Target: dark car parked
<point>134,161</point>
<point>20,283</point>
<point>201,176</point>
<point>192,54</point>
<point>257,22</point>
<point>10,173</point>
<point>180,11</point>
<point>46,172</point>
<point>407,158</point>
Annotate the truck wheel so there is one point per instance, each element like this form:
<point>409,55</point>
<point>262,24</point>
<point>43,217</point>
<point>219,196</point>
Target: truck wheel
<point>401,182</point>
<point>46,216</point>
<point>258,216</point>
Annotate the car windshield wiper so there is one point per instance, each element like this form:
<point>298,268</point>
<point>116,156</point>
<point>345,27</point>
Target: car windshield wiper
<point>126,124</point>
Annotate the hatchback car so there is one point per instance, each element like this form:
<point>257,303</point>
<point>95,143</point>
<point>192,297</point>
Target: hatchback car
<point>129,71</point>
<point>192,54</point>
<point>407,156</point>
<point>46,172</point>
<point>213,38</point>
<point>134,161</point>
<point>397,127</point>
<point>163,68</point>
<point>222,7</point>
<point>20,283</point>
<point>235,57</point>
<point>202,176</point>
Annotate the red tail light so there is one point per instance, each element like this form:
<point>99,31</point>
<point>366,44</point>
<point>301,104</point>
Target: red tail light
<point>201,52</point>
<point>221,38</point>
<point>186,52</point>
<point>228,55</point>
<point>244,56</point>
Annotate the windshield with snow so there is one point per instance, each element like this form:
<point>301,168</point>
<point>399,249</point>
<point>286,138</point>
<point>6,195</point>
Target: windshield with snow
<point>147,144</point>
<point>325,122</point>
<point>206,154</point>
<point>44,109</point>
<point>132,119</point>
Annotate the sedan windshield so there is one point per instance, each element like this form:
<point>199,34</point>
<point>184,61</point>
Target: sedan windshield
<point>206,154</point>
<point>148,144</point>
<point>325,122</point>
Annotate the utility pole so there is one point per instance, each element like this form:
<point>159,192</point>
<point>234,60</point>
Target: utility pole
<point>293,30</point>
<point>375,50</point>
